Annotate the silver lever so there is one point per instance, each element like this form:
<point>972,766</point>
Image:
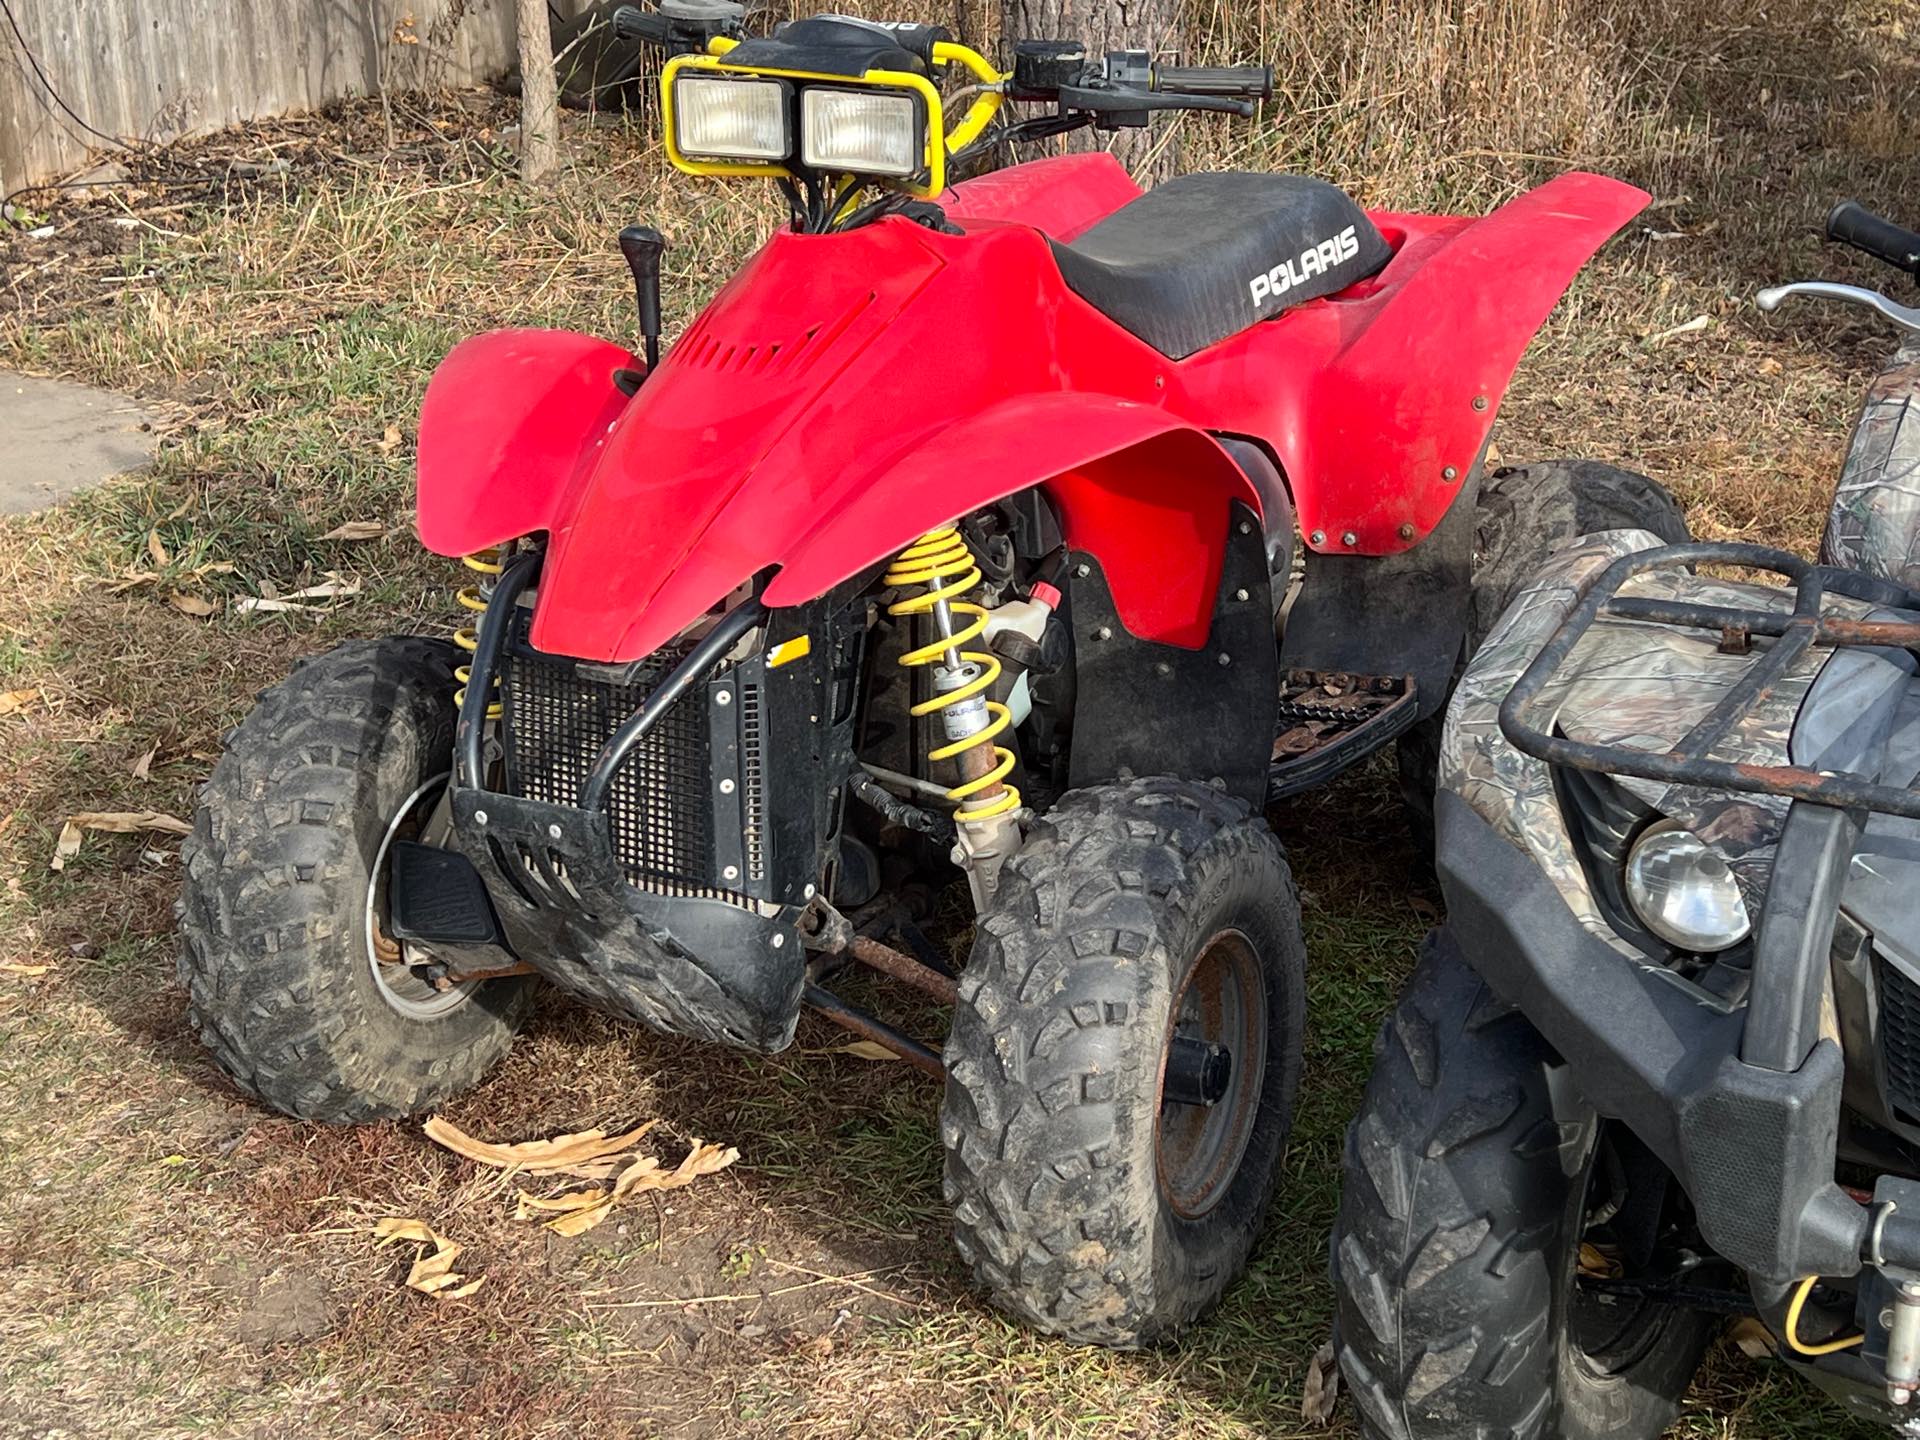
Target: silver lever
<point>1775,296</point>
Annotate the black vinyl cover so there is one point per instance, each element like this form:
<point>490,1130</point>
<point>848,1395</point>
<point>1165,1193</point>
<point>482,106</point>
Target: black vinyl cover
<point>1205,256</point>
<point>841,45</point>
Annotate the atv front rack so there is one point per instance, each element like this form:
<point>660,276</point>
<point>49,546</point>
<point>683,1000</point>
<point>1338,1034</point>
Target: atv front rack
<point>1794,632</point>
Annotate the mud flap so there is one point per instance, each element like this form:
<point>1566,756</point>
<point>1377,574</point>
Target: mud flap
<point>1143,708</point>
<point>1402,614</point>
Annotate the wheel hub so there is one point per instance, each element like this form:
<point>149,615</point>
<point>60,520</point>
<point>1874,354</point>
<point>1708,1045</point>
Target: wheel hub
<point>1212,1072</point>
<point>1197,1073</point>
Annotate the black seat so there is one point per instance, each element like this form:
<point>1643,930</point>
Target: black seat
<point>1203,257</point>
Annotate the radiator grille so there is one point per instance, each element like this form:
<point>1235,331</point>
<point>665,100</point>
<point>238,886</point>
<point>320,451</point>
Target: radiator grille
<point>555,720</point>
<point>1900,1037</point>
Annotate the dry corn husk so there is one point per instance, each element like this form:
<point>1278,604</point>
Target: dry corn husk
<point>586,1155</point>
<point>432,1271</point>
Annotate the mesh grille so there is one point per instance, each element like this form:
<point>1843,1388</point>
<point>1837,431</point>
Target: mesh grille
<point>1900,1037</point>
<point>555,722</point>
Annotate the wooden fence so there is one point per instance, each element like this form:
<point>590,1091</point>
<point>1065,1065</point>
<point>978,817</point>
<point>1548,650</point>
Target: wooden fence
<point>156,69</point>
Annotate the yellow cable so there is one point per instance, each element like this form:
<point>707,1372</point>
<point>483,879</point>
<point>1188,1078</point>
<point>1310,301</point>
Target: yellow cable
<point>1829,1347</point>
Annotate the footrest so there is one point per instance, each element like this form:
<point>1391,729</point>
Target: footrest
<point>435,896</point>
<point>1328,720</point>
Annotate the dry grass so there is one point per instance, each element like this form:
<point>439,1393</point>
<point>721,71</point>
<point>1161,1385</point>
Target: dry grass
<point>159,1231</point>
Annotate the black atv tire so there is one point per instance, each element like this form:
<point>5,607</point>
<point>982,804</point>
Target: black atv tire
<point>274,943</point>
<point>1125,909</point>
<point>1461,1216</point>
<point>1525,513</point>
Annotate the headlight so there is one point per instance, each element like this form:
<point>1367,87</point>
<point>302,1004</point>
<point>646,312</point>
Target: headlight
<point>716,119</point>
<point>862,132</point>
<point>1683,892</point>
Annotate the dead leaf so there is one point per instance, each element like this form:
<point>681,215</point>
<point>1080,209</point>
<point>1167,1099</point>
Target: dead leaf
<point>432,1271</point>
<point>865,1050</point>
<point>1692,327</point>
<point>157,551</point>
<point>18,967</point>
<point>534,1156</point>
<point>195,605</point>
<point>334,587</point>
<point>390,440</point>
<point>114,822</point>
<point>265,604</point>
<point>143,767</point>
<point>1322,1389</point>
<point>12,702</point>
<point>357,530</point>
<point>1754,1339</point>
<point>1598,1263</point>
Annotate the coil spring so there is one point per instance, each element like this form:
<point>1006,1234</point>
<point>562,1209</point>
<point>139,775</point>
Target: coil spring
<point>474,597</point>
<point>940,562</point>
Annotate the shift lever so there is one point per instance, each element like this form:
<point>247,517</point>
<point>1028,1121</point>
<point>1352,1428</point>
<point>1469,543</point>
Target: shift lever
<point>642,245</point>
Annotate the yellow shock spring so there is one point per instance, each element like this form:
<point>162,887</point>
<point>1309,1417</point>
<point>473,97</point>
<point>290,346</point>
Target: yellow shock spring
<point>471,597</point>
<point>941,562</point>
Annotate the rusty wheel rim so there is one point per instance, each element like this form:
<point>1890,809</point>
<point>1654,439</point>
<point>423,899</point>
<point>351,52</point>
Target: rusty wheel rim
<point>404,992</point>
<point>1221,1000</point>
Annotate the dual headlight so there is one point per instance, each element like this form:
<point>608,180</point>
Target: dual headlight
<point>751,120</point>
<point>1683,892</point>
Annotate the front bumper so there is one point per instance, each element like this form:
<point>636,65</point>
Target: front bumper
<point>650,834</point>
<point>1753,1147</point>
<point>685,965</point>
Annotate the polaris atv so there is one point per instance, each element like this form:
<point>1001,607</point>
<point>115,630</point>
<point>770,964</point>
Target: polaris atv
<point>953,533</point>
<point>1661,1066</point>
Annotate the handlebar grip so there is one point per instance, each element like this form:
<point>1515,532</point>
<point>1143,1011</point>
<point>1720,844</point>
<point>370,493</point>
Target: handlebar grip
<point>1853,224</point>
<point>630,23</point>
<point>1251,81</point>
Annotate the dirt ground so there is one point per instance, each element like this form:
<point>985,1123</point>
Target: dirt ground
<point>175,1261</point>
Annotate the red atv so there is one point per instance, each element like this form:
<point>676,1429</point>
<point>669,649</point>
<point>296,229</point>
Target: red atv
<point>958,531</point>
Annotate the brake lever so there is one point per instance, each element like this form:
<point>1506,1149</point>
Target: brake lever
<point>1903,316</point>
<point>1127,101</point>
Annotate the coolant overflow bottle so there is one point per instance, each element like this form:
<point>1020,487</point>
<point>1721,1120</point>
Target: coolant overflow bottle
<point>642,246</point>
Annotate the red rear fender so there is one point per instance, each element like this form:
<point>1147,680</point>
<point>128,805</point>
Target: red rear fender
<point>1378,399</point>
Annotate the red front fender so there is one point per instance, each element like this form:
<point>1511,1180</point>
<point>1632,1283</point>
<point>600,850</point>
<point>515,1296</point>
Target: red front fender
<point>510,419</point>
<point>1107,462</point>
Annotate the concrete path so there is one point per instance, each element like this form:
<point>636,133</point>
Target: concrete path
<point>58,438</point>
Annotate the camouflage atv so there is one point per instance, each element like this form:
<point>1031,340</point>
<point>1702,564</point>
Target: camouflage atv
<point>1661,1065</point>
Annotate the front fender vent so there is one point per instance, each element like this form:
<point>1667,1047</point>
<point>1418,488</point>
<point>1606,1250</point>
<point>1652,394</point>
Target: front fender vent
<point>701,349</point>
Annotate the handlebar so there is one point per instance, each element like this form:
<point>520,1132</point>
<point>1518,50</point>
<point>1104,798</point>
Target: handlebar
<point>1855,225</point>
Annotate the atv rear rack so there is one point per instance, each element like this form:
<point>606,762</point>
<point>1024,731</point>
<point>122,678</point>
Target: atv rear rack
<point>1793,632</point>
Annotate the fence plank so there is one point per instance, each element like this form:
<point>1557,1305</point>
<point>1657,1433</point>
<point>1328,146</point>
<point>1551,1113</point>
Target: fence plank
<point>157,69</point>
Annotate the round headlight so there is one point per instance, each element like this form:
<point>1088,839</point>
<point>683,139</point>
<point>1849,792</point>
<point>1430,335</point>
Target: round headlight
<point>1683,892</point>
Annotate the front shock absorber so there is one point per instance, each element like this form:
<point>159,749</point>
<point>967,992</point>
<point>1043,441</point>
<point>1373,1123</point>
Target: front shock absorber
<point>941,569</point>
<point>487,565</point>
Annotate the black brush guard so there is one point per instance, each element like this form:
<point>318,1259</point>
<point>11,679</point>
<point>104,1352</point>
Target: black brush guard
<point>640,849</point>
<point>1743,1105</point>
